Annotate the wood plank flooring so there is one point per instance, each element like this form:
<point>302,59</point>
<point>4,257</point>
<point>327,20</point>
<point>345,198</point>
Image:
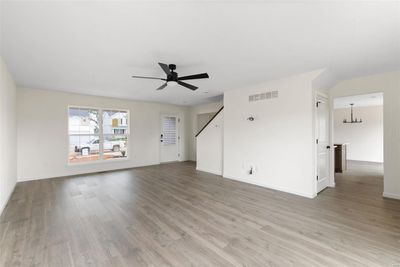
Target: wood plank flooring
<point>173,215</point>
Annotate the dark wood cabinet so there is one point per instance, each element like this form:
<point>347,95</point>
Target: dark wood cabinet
<point>340,157</point>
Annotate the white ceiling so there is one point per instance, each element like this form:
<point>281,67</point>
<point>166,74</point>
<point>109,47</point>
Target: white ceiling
<point>375,99</point>
<point>94,47</point>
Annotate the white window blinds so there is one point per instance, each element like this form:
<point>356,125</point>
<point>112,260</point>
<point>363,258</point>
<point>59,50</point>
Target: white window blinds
<point>169,130</point>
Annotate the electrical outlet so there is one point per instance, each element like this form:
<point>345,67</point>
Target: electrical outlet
<point>249,169</point>
<point>252,169</point>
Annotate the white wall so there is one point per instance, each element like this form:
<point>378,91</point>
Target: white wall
<point>389,84</point>
<point>203,119</point>
<point>43,139</point>
<point>365,139</point>
<point>279,143</point>
<point>8,132</point>
<point>194,111</point>
<point>210,146</point>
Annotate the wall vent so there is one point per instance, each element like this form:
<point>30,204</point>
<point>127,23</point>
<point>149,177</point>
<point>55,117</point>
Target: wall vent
<point>263,96</point>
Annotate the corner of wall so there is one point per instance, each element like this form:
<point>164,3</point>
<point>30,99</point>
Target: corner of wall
<point>8,142</point>
<point>391,195</point>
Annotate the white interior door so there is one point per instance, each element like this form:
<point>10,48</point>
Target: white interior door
<point>169,138</point>
<point>323,148</point>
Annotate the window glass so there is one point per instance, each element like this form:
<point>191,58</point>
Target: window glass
<point>83,127</point>
<point>96,134</point>
<point>169,131</point>
<point>115,146</point>
<point>115,122</point>
<point>83,121</point>
<point>83,148</point>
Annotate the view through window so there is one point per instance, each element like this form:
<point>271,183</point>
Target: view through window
<point>96,134</point>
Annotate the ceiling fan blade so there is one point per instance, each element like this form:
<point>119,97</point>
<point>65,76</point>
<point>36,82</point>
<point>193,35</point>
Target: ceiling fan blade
<point>191,87</point>
<point>165,68</point>
<point>195,76</point>
<point>162,86</point>
<point>153,78</point>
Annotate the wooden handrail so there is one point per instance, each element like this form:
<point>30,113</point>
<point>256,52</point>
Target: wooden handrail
<point>210,120</point>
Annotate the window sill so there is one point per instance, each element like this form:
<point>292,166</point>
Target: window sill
<point>95,162</point>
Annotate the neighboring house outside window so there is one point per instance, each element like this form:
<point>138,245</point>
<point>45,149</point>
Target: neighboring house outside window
<point>96,134</point>
<point>119,131</point>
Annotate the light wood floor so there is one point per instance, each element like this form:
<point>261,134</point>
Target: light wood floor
<point>172,215</point>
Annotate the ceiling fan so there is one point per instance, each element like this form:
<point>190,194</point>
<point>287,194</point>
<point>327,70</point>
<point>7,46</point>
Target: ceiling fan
<point>173,78</point>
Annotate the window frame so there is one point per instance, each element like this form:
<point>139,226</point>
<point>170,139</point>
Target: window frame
<point>101,135</point>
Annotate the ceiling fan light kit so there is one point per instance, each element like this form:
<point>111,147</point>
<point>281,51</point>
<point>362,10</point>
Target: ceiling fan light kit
<point>173,78</point>
<point>172,83</point>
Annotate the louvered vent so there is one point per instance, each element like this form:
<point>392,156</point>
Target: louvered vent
<point>263,96</point>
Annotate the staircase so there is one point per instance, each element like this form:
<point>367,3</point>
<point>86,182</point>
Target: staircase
<point>216,114</point>
<point>209,145</point>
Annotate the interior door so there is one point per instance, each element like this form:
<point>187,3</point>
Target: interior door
<point>323,148</point>
<point>169,138</point>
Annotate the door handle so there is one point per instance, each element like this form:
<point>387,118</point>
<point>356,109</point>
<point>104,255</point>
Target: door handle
<point>328,147</point>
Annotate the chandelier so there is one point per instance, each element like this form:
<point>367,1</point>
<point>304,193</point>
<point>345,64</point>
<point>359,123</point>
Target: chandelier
<point>352,120</point>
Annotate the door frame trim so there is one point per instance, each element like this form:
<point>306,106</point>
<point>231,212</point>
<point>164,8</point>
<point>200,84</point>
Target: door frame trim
<point>331,181</point>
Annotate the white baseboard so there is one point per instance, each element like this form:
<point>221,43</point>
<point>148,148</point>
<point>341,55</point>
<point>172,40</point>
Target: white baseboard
<point>8,199</point>
<point>84,172</point>
<point>210,171</point>
<point>266,185</point>
<point>391,195</point>
<point>365,162</point>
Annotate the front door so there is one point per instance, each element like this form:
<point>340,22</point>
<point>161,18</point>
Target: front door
<point>323,148</point>
<point>169,138</point>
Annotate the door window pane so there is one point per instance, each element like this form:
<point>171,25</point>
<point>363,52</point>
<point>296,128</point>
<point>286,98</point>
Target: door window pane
<point>169,131</point>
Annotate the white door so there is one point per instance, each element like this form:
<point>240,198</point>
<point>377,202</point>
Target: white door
<point>169,138</point>
<point>323,148</point>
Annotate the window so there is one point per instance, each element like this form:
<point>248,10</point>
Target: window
<point>84,134</point>
<point>169,130</point>
<point>115,128</point>
<point>96,134</point>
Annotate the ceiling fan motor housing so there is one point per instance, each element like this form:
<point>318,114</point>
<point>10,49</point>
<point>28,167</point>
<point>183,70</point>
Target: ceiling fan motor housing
<point>173,76</point>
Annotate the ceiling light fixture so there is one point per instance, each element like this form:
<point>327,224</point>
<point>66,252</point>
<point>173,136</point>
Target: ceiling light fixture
<point>352,120</point>
<point>173,79</point>
<point>172,83</point>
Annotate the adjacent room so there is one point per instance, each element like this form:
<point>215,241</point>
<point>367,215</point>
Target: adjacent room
<point>199,133</point>
<point>358,142</point>
<point>358,137</point>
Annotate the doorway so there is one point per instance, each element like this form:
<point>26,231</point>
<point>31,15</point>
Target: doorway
<point>169,138</point>
<point>358,139</point>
